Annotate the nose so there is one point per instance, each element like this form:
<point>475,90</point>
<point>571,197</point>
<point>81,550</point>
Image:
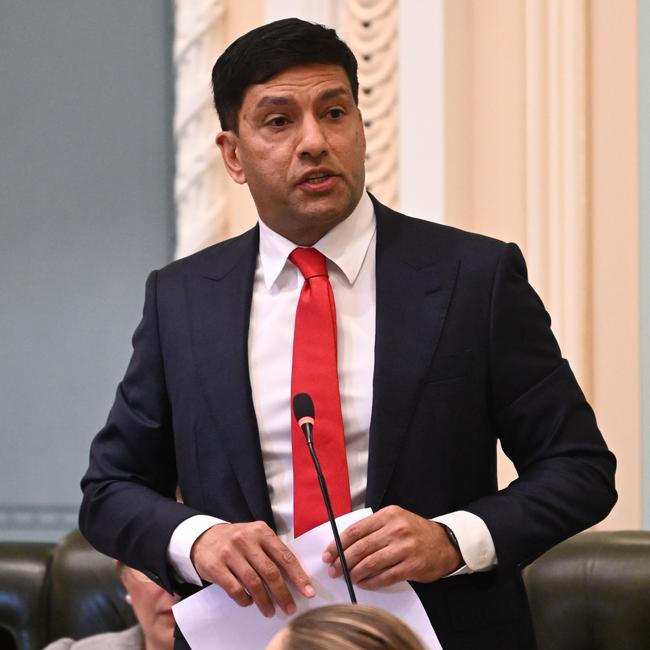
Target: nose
<point>313,142</point>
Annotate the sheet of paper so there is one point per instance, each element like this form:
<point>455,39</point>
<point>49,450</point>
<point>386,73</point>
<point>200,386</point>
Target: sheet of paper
<point>211,620</point>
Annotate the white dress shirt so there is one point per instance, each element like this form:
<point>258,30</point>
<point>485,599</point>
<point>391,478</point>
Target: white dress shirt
<point>350,251</point>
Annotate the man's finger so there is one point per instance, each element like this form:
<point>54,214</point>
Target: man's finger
<point>288,562</point>
<point>376,563</point>
<point>233,587</point>
<point>260,575</point>
<point>273,579</point>
<point>386,578</point>
<point>353,533</point>
<point>254,586</point>
<point>362,549</point>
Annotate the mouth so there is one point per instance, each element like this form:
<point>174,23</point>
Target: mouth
<point>318,179</point>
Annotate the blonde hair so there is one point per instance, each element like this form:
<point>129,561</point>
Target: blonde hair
<point>349,627</point>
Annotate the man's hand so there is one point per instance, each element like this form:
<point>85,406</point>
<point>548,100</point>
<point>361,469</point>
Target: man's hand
<point>247,561</point>
<point>391,545</point>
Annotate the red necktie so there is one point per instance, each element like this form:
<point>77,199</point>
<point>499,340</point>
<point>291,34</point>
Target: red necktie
<point>315,372</point>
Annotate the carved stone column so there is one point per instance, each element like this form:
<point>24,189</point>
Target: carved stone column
<point>200,178</point>
<point>372,33</point>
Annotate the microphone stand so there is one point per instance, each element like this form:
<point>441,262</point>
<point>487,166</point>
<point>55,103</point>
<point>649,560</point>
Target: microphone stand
<point>326,497</point>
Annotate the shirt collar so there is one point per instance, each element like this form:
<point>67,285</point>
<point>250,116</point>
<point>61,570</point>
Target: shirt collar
<point>345,245</point>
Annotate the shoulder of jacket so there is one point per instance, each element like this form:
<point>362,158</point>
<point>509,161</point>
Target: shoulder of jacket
<point>430,230</point>
<point>221,253</point>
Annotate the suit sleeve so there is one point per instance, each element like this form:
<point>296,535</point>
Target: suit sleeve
<point>129,509</point>
<point>565,471</point>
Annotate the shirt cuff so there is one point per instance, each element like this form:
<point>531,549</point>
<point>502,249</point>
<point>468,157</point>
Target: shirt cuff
<point>180,546</point>
<point>474,539</point>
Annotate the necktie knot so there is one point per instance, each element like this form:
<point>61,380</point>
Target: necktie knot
<point>310,262</point>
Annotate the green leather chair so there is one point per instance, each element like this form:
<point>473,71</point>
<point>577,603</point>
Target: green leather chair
<point>23,594</point>
<point>591,592</point>
<point>49,591</point>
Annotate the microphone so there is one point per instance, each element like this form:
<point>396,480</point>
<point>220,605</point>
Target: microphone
<point>303,411</point>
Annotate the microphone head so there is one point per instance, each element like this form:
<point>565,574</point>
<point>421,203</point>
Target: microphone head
<point>303,406</point>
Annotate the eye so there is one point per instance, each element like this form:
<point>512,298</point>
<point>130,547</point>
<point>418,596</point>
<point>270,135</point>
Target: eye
<point>336,113</point>
<point>278,121</point>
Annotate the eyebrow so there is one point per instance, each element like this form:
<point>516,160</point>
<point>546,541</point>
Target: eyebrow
<point>272,101</point>
<point>332,93</point>
<point>282,100</point>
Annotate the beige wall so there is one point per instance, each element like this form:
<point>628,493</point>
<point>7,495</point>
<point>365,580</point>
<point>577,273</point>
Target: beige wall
<point>541,149</point>
<point>614,201</point>
<point>485,130</point>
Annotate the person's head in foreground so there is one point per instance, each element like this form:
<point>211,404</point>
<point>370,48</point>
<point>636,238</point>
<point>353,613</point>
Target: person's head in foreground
<point>286,94</point>
<point>151,606</point>
<point>349,627</point>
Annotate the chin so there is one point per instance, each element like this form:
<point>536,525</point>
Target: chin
<point>330,212</point>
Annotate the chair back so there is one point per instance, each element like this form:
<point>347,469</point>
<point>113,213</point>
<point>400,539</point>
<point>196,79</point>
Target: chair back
<point>592,592</point>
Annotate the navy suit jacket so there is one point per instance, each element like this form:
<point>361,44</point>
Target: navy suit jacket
<point>464,355</point>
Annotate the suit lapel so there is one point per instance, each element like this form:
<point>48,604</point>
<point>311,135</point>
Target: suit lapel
<point>414,287</point>
<point>219,308</point>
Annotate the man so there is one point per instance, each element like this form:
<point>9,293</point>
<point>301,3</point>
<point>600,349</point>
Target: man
<point>441,347</point>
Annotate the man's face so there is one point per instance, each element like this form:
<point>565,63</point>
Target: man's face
<point>301,149</point>
<point>152,606</point>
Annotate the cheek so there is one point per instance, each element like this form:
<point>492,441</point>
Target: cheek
<point>350,148</point>
<point>270,177</point>
<point>265,165</point>
<point>147,600</point>
<point>360,142</point>
<point>362,145</point>
<point>143,608</point>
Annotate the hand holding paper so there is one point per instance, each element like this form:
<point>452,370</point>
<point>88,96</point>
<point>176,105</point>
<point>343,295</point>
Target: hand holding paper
<point>210,619</point>
<point>393,545</point>
<point>249,562</point>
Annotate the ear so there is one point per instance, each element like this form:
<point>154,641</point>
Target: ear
<point>228,143</point>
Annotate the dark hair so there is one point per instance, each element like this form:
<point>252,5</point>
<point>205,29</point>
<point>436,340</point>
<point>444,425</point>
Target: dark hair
<point>266,51</point>
<point>349,627</point>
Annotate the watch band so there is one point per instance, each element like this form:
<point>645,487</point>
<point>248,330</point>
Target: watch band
<point>452,538</point>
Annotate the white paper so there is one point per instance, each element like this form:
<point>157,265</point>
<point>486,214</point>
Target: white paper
<point>210,620</point>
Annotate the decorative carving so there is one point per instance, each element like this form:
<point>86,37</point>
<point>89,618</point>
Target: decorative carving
<point>199,185</point>
<point>372,33</point>
<point>324,12</point>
